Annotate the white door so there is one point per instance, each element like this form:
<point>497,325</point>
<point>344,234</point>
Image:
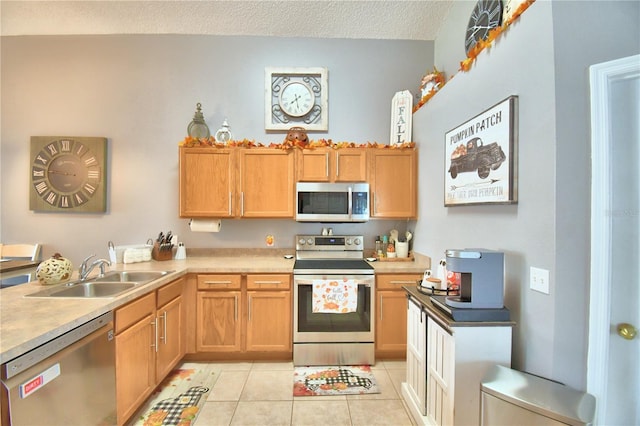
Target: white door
<point>614,346</point>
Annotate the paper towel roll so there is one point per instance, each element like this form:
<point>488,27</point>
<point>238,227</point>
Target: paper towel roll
<point>205,225</point>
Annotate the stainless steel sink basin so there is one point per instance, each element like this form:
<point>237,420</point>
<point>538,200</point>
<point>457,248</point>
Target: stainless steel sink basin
<point>86,289</point>
<point>110,285</point>
<point>94,289</point>
<point>136,276</point>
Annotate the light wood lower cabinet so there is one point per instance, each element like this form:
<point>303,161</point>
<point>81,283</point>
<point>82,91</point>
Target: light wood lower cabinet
<point>219,321</point>
<point>149,343</point>
<point>243,315</point>
<point>391,314</point>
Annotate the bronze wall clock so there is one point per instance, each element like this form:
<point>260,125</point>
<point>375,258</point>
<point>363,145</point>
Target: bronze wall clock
<point>296,97</point>
<point>68,174</point>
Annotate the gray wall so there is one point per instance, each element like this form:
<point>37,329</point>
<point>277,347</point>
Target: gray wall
<point>140,92</point>
<point>543,59</point>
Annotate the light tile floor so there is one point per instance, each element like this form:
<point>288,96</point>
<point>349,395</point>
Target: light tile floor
<point>262,394</point>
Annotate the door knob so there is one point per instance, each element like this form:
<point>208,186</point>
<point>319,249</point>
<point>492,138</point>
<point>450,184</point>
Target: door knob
<point>626,331</point>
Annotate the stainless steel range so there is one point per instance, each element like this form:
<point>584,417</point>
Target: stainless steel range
<point>333,302</point>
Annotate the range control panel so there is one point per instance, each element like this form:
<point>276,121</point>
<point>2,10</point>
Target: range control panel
<point>329,243</point>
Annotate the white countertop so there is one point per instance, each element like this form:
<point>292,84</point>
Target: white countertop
<point>27,322</point>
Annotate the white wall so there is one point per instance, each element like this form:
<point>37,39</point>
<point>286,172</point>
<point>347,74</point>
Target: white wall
<point>140,92</point>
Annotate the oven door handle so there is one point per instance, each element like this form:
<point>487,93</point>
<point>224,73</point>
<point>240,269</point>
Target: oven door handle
<point>304,281</point>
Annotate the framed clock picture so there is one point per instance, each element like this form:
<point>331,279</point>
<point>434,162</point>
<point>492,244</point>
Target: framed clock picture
<point>68,174</point>
<point>296,97</point>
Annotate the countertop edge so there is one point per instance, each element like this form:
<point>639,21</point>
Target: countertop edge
<point>443,318</point>
<point>67,314</point>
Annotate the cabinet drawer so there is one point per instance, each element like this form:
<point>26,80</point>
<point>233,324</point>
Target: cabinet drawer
<point>269,282</point>
<point>135,311</point>
<point>396,281</point>
<point>218,282</point>
<point>169,292</point>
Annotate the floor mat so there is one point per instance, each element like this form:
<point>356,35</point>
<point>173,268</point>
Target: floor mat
<point>179,398</point>
<point>342,380</point>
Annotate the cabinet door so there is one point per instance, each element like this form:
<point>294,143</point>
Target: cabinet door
<point>313,165</point>
<point>135,366</point>
<point>440,374</point>
<point>266,183</point>
<point>350,165</point>
<point>170,336</point>
<point>269,321</point>
<point>393,180</point>
<point>391,314</point>
<point>218,321</point>
<point>207,182</point>
<point>417,355</point>
<point>391,324</point>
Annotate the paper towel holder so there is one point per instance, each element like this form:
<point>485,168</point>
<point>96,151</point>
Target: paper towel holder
<point>205,225</point>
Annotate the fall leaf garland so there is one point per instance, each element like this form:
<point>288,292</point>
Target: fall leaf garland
<point>466,64</point>
<point>191,142</point>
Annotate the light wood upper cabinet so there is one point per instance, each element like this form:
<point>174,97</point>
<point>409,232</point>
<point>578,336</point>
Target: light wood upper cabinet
<point>331,165</point>
<point>236,182</point>
<point>393,179</point>
<point>260,182</point>
<point>266,183</point>
<point>207,182</point>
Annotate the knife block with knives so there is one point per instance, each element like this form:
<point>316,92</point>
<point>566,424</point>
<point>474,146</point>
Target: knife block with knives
<point>160,252</point>
<point>163,247</point>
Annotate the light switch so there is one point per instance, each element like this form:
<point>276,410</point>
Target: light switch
<point>539,280</point>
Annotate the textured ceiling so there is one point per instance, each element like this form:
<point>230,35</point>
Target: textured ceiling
<point>401,20</point>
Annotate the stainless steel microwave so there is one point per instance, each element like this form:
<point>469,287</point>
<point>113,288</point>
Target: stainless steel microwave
<point>332,202</point>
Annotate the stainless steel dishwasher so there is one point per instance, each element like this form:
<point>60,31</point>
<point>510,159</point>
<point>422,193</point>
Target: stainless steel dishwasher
<point>69,380</point>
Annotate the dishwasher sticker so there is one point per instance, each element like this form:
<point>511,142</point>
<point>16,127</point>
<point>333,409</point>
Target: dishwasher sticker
<point>39,381</point>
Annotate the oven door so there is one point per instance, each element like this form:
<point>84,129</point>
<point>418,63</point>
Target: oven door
<point>315,327</point>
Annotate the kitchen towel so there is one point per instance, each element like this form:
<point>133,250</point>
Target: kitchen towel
<point>334,296</point>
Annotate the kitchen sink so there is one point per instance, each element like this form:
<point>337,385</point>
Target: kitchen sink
<point>135,276</point>
<point>110,285</point>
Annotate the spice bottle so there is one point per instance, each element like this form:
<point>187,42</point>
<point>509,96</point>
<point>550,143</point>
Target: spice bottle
<point>378,246</point>
<point>385,243</point>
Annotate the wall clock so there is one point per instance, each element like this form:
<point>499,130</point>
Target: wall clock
<point>296,97</point>
<point>68,174</point>
<point>486,15</point>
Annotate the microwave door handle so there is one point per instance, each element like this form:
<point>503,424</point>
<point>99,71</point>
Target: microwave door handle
<point>350,211</point>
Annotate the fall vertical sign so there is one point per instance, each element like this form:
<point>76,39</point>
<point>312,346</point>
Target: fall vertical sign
<point>401,114</point>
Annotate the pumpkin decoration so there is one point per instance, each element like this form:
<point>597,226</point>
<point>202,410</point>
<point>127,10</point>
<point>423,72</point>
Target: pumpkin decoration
<point>55,270</point>
<point>297,136</point>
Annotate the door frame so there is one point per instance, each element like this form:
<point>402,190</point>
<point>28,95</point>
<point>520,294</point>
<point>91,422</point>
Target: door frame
<point>601,76</point>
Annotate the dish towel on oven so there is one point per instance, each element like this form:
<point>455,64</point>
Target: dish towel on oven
<point>335,296</point>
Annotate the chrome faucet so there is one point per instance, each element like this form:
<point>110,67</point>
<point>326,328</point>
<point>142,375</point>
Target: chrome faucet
<point>85,269</point>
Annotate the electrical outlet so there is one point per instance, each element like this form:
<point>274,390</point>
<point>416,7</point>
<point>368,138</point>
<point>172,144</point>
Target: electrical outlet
<point>539,280</point>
